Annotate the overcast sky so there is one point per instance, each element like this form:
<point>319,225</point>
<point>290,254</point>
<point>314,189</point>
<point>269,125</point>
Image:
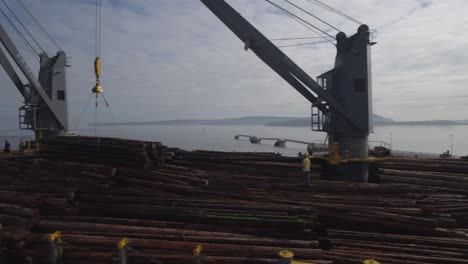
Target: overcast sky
<point>171,59</point>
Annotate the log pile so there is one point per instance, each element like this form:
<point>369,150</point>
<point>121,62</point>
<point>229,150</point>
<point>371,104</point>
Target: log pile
<point>451,175</point>
<point>242,207</point>
<point>102,150</point>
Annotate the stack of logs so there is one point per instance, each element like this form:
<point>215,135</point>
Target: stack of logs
<point>102,150</point>
<point>242,207</point>
<point>443,174</point>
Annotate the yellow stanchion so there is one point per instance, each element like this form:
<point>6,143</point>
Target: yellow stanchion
<point>122,246</point>
<point>56,248</point>
<point>197,254</point>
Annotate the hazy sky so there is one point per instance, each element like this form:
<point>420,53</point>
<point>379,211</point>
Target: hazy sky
<point>169,59</point>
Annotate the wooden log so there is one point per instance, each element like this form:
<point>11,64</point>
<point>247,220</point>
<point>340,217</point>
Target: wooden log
<point>401,256</point>
<point>400,248</point>
<point>441,167</point>
<point>17,210</point>
<point>424,182</point>
<point>395,238</point>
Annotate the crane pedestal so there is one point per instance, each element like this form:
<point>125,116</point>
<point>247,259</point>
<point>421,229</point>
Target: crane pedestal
<point>347,160</point>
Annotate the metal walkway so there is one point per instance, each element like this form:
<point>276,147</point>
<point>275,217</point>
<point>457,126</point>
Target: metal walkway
<point>281,142</point>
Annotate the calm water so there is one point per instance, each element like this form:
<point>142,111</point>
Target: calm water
<point>429,139</point>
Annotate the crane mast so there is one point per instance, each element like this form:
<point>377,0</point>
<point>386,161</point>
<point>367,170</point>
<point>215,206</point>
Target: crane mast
<point>341,98</point>
<point>45,109</point>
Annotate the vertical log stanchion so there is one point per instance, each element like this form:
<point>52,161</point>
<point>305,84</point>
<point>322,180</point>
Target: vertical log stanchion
<point>286,257</point>
<point>122,251</point>
<point>2,255</point>
<point>56,249</point>
<point>197,254</point>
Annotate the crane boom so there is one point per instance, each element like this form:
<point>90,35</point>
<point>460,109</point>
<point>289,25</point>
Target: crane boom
<point>277,60</point>
<point>11,72</point>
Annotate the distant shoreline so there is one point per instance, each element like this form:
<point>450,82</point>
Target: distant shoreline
<point>274,121</point>
<point>421,123</point>
<point>268,125</point>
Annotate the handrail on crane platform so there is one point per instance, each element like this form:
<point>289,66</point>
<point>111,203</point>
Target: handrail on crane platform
<point>281,142</point>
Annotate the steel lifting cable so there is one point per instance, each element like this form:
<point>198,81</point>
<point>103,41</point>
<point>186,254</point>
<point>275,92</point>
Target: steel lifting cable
<point>96,35</point>
<point>108,107</point>
<point>39,24</point>
<point>110,111</point>
<point>340,12</point>
<point>97,62</point>
<point>19,32</point>
<point>303,21</point>
<point>309,27</point>
<point>312,15</point>
<point>296,38</point>
<point>22,25</point>
<point>98,27</point>
<point>143,255</point>
<point>334,10</point>
<point>23,45</point>
<point>302,44</point>
<point>68,245</point>
<point>97,89</point>
<point>95,120</point>
<point>304,24</point>
<point>82,112</point>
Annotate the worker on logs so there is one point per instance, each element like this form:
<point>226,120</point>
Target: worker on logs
<point>7,148</point>
<point>306,169</point>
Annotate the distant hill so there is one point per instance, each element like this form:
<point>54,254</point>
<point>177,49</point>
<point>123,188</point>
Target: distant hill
<point>428,123</point>
<point>305,121</point>
<point>279,121</point>
<point>380,119</point>
<point>242,121</point>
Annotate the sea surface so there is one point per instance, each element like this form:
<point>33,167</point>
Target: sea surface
<point>427,139</point>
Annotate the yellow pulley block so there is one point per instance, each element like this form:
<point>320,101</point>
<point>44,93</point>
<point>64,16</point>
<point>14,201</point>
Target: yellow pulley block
<point>97,89</point>
<point>97,67</point>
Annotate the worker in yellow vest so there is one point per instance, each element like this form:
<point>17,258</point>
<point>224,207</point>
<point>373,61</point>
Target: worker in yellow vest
<point>306,168</point>
<point>7,148</point>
